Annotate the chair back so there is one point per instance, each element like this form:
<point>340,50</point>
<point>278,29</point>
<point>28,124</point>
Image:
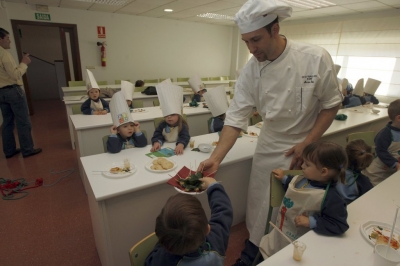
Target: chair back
<point>76,109</point>
<point>142,249</point>
<point>368,137</point>
<point>150,80</point>
<point>215,78</point>
<point>156,102</point>
<point>232,84</point>
<point>76,83</point>
<point>162,79</point>
<point>224,78</point>
<point>102,82</point>
<point>139,89</point>
<point>254,119</point>
<point>204,79</point>
<point>105,138</point>
<point>137,103</point>
<point>182,79</point>
<point>231,95</point>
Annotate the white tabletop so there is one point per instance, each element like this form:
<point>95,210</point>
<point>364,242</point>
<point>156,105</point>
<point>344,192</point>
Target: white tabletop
<point>379,204</point>
<point>104,187</point>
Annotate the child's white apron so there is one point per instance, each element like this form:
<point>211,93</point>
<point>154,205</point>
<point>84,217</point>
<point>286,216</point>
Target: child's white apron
<point>96,106</point>
<point>171,136</point>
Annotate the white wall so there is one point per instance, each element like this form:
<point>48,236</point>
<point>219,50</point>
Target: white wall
<point>141,47</point>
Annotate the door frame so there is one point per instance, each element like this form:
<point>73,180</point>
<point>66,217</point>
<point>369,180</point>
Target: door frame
<point>72,29</point>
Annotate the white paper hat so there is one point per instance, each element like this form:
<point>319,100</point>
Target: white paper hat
<point>119,110</point>
<point>238,71</point>
<point>359,88</point>
<point>255,14</point>
<point>170,97</point>
<point>345,82</point>
<point>337,69</point>
<point>196,83</point>
<point>127,89</point>
<point>371,86</point>
<point>90,81</point>
<point>216,100</point>
<point>166,81</point>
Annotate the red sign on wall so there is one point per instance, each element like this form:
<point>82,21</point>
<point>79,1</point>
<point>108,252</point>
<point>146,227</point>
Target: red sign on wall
<point>101,32</point>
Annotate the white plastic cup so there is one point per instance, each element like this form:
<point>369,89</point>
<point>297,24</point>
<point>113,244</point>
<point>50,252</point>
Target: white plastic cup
<point>191,143</point>
<point>298,250</point>
<point>392,258</point>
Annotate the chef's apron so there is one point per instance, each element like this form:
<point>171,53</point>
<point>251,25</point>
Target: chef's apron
<point>378,171</point>
<point>171,135</point>
<point>269,155</point>
<point>96,106</point>
<point>297,201</point>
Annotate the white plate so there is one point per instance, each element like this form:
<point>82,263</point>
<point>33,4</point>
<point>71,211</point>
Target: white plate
<point>247,135</point>
<point>259,124</point>
<point>107,173</point>
<point>189,193</point>
<point>149,164</point>
<point>204,147</point>
<point>139,111</point>
<point>368,227</point>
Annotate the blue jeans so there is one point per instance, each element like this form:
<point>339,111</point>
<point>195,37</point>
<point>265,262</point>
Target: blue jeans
<point>14,107</point>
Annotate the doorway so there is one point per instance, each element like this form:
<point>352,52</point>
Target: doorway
<point>55,57</point>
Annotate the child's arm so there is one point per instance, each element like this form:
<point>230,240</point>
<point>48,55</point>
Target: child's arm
<point>374,100</point>
<point>183,136</point>
<point>105,105</point>
<point>221,217</point>
<point>285,179</point>
<point>114,144</point>
<point>158,139</point>
<point>363,184</point>
<point>139,139</point>
<point>217,125</point>
<point>333,218</point>
<point>85,107</point>
<point>382,143</point>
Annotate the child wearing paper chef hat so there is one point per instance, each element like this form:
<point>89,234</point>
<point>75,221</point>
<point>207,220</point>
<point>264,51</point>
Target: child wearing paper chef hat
<point>198,88</point>
<point>218,105</point>
<point>94,105</point>
<point>127,89</point>
<point>125,133</point>
<point>174,128</point>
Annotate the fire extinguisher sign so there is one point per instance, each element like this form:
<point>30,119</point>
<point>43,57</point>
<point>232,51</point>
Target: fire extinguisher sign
<point>101,32</point>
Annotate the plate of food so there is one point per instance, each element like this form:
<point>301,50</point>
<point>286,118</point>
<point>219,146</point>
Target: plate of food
<point>259,124</point>
<point>250,134</point>
<point>120,170</point>
<point>191,184</point>
<point>378,233</point>
<point>139,110</point>
<point>161,165</point>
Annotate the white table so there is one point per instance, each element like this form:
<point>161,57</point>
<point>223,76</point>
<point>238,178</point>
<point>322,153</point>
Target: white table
<point>379,204</point>
<point>81,90</point>
<point>124,210</point>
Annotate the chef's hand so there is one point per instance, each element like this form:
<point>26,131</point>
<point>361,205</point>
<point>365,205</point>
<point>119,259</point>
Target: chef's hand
<point>297,159</point>
<point>278,173</point>
<point>302,221</point>
<point>156,146</point>
<point>208,165</point>
<point>179,149</point>
<point>113,130</point>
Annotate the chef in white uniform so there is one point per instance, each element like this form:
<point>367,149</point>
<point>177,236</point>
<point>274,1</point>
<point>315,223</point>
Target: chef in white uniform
<point>294,87</point>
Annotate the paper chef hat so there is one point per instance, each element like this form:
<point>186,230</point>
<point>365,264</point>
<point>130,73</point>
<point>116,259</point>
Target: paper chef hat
<point>359,88</point>
<point>90,81</point>
<point>345,82</point>
<point>119,110</point>
<point>337,69</point>
<point>170,97</point>
<point>216,100</point>
<point>371,86</point>
<point>127,89</point>
<point>166,81</point>
<point>196,84</point>
<point>255,14</point>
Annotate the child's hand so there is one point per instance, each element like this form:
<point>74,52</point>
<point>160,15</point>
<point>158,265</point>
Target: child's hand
<point>96,112</point>
<point>302,221</point>
<point>104,112</point>
<point>113,130</point>
<point>179,149</point>
<point>207,181</point>
<point>398,166</point>
<point>278,173</point>
<point>156,146</point>
<point>136,127</point>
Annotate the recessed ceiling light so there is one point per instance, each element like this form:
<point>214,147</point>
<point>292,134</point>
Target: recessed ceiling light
<point>107,2</point>
<point>215,16</point>
<point>309,4</point>
<point>168,10</point>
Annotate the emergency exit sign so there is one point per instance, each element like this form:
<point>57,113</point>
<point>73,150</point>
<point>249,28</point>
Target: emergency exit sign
<point>41,16</point>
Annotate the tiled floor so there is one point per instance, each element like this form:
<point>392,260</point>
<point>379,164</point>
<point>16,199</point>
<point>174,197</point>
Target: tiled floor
<point>51,225</point>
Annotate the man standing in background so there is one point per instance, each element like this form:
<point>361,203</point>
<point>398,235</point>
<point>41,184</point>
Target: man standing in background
<point>13,102</point>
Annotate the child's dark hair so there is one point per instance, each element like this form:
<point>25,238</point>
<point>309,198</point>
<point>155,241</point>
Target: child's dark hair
<point>139,83</point>
<point>182,225</point>
<point>394,109</point>
<point>359,154</point>
<point>327,154</point>
<point>180,123</point>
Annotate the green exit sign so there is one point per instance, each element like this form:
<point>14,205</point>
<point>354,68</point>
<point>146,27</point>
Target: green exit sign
<point>41,16</point>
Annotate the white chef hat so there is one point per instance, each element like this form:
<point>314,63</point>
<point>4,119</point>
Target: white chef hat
<point>91,82</point>
<point>127,89</point>
<point>216,100</point>
<point>119,110</point>
<point>238,71</point>
<point>337,69</point>
<point>255,14</point>
<point>166,81</point>
<point>196,83</point>
<point>170,97</point>
<point>359,88</point>
<point>371,86</point>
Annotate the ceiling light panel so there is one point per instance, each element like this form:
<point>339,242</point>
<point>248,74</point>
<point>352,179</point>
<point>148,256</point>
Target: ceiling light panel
<point>216,16</point>
<point>107,2</point>
<point>309,4</point>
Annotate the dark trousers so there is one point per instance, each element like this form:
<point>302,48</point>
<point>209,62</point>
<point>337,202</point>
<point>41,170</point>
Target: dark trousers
<point>14,107</point>
<point>249,253</point>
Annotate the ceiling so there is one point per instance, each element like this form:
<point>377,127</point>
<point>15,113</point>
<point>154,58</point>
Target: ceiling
<point>187,10</point>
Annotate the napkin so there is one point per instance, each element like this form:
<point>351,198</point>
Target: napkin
<point>341,117</point>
